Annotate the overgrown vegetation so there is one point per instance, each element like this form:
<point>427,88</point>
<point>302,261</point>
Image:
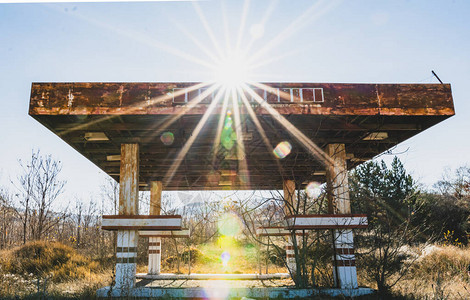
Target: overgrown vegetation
<point>389,197</point>
<point>438,273</point>
<point>39,266</point>
<point>48,259</point>
<point>415,246</point>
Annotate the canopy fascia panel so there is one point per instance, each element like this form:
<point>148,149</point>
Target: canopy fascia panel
<point>95,118</point>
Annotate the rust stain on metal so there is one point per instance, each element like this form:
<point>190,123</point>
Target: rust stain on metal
<point>341,99</point>
<point>337,180</point>
<point>290,197</point>
<point>128,113</point>
<point>129,180</point>
<point>155,197</point>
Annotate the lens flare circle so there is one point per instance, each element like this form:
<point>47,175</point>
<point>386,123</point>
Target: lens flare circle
<point>228,135</point>
<point>228,123</point>
<point>225,257</point>
<point>282,149</point>
<point>167,138</point>
<point>313,189</point>
<point>229,225</point>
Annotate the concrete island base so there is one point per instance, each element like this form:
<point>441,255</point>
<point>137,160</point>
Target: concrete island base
<point>197,276</point>
<point>228,293</point>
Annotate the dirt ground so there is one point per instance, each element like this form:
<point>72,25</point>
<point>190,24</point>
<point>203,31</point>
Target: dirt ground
<point>216,282</point>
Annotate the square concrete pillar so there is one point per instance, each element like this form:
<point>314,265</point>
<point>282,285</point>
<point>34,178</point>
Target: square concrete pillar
<point>126,248</point>
<point>126,255</point>
<point>338,203</point>
<point>290,206</point>
<point>155,256</point>
<point>155,243</point>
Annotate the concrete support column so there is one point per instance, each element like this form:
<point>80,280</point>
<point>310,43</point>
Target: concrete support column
<point>155,257</point>
<point>126,250</point>
<point>290,255</point>
<point>290,205</point>
<point>126,254</point>
<point>155,243</point>
<point>338,203</point>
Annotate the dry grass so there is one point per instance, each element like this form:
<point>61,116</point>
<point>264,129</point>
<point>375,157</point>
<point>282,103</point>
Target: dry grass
<point>52,260</point>
<point>48,267</point>
<point>13,286</point>
<point>439,273</point>
<point>84,288</point>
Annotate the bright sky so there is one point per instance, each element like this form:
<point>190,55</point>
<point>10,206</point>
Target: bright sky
<point>310,41</point>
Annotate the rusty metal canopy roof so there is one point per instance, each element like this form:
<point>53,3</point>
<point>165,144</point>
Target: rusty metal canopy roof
<point>95,118</point>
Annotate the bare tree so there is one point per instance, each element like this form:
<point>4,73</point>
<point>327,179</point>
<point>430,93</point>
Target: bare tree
<point>110,196</point>
<point>78,218</point>
<point>39,187</point>
<point>312,251</point>
<point>109,204</point>
<point>25,191</point>
<point>89,221</point>
<point>7,219</point>
<point>84,220</point>
<point>456,185</point>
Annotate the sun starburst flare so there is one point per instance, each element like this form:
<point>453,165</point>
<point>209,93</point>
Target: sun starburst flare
<point>231,62</point>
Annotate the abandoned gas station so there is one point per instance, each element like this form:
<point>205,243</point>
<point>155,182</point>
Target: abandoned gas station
<point>200,136</point>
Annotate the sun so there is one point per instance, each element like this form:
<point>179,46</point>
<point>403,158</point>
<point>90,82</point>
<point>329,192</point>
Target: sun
<point>232,70</point>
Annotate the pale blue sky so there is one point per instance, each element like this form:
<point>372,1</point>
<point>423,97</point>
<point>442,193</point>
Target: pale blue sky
<point>343,41</point>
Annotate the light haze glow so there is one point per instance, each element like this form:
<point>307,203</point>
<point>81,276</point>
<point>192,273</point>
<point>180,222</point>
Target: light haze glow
<point>360,41</point>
